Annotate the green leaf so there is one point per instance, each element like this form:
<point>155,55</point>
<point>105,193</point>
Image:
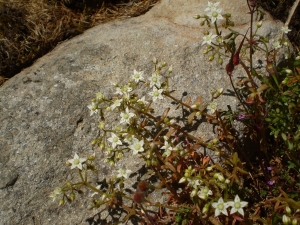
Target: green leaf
<point>283,136</point>
<point>290,145</point>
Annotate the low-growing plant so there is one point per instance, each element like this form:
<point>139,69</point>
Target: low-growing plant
<point>248,174</point>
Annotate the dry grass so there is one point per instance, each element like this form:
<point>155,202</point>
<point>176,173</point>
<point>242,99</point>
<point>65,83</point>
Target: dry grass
<point>31,28</point>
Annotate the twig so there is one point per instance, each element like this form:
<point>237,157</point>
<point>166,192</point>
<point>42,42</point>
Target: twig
<point>292,11</point>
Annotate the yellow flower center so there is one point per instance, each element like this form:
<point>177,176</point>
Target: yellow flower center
<point>221,206</point>
<point>76,161</point>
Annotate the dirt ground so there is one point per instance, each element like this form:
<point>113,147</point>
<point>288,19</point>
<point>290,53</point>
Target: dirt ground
<point>29,28</point>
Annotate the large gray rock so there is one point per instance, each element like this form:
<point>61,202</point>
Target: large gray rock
<point>43,110</point>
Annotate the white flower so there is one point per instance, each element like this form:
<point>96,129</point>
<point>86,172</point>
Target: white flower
<point>156,94</point>
<point>55,193</point>
<point>115,141</point>
<point>124,90</point>
<point>154,80</point>
<point>204,192</point>
<point>128,138</point>
<point>285,29</point>
<point>76,162</point>
<point>193,183</point>
<point>137,146</point>
<point>208,38</point>
<point>123,173</point>
<point>95,193</point>
<point>116,103</point>
<point>276,45</point>
<point>137,76</point>
<point>215,14</point>
<point>93,107</point>
<point>99,96</point>
<point>125,116</point>
<point>212,107</point>
<point>237,205</point>
<point>220,207</point>
<point>168,148</point>
<point>211,6</point>
<point>143,101</point>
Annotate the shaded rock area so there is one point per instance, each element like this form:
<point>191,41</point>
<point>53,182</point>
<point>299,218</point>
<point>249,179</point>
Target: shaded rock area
<point>43,110</point>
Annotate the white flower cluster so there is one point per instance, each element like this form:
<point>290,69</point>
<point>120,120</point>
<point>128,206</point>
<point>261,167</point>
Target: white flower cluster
<point>237,206</point>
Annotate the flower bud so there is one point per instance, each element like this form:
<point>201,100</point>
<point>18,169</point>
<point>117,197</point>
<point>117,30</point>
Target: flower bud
<point>101,125</point>
<point>92,157</point>
<point>285,81</point>
<point>205,51</point>
<point>101,145</point>
<point>294,222</point>
<point>170,70</point>
<point>231,23</point>
<point>197,16</point>
<point>72,196</point>
<point>220,39</point>
<point>148,162</point>
<point>205,208</point>
<point>215,141</point>
<point>154,162</point>
<point>288,210</point>
<point>172,121</point>
<point>99,96</point>
<point>211,58</point>
<point>259,24</point>
<point>266,39</point>
<point>120,155</point>
<point>166,120</point>
<point>298,57</point>
<point>182,180</point>
<point>227,15</point>
<point>286,220</point>
<point>61,202</point>
<point>163,64</point>
<point>288,71</point>
<point>220,61</point>
<point>210,168</point>
<point>193,193</point>
<point>219,176</point>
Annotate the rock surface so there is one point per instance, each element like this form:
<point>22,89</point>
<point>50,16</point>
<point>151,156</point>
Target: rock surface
<point>43,110</point>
